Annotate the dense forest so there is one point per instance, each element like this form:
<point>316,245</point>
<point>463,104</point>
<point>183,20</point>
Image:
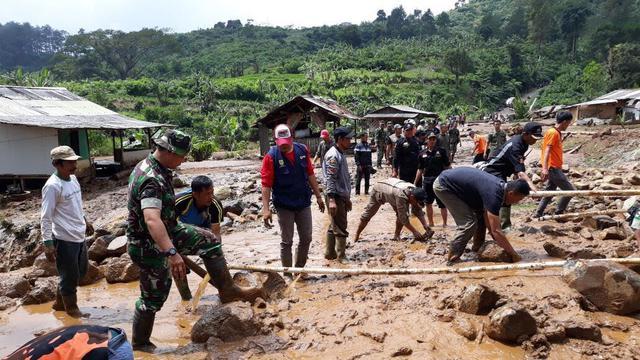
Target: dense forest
<point>218,81</point>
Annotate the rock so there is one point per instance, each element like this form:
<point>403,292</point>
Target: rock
<point>446,316</point>
<point>552,231</point>
<point>224,193</point>
<point>554,333</point>
<point>633,179</point>
<point>613,179</point>
<point>405,283</point>
<point>93,274</point>
<point>44,267</point>
<point>582,186</point>
<point>609,286</point>
<point>98,250</point>
<point>120,270</point>
<point>554,250</point>
<point>609,187</point>
<point>179,182</point>
<point>6,303</point>
<point>586,234</point>
<point>377,336</point>
<point>536,178</point>
<point>526,229</point>
<point>612,233</point>
<point>599,222</point>
<point>14,286</point>
<point>465,328</point>
<point>229,322</point>
<point>478,300</point>
<point>236,207</point>
<point>403,351</point>
<point>245,279</point>
<point>625,250</point>
<point>585,253</point>
<point>581,330</point>
<point>491,252</point>
<point>117,246</point>
<point>43,291</point>
<point>510,323</point>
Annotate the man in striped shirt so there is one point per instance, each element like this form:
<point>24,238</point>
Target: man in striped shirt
<point>198,206</point>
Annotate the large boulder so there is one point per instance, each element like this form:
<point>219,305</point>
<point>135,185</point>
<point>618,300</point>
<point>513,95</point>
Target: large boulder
<point>98,250</point>
<point>491,252</point>
<point>478,299</point>
<point>120,270</point>
<point>229,322</point>
<point>511,323</point>
<point>43,267</point>
<point>93,275</point>
<point>611,287</point>
<point>599,222</point>
<point>14,286</point>
<point>44,290</point>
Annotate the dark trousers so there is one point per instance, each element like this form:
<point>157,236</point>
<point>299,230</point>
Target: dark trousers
<point>557,179</point>
<point>72,263</point>
<point>478,157</point>
<point>380,155</point>
<point>363,171</point>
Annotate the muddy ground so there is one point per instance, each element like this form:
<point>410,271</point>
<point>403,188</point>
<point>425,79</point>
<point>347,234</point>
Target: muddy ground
<point>352,317</point>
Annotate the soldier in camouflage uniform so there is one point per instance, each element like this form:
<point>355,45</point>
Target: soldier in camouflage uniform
<point>381,142</point>
<point>496,139</point>
<point>454,141</point>
<point>156,240</point>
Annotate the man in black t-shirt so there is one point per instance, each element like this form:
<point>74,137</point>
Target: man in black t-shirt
<point>405,161</point>
<point>433,160</point>
<point>474,199</point>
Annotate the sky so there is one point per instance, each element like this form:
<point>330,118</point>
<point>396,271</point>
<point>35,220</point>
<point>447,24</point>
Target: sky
<point>187,15</point>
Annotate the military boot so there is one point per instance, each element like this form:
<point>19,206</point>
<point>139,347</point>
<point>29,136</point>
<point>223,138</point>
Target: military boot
<point>227,289</point>
<point>142,328</point>
<point>330,247</point>
<point>71,306</point>
<point>58,305</point>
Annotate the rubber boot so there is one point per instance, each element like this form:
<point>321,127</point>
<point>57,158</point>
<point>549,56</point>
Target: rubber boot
<point>330,247</point>
<point>341,246</point>
<point>71,306</point>
<point>142,328</point>
<point>227,289</point>
<point>58,305</point>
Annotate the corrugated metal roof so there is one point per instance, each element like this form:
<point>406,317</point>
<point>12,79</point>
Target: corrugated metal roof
<point>403,115</point>
<point>60,109</point>
<point>410,109</point>
<point>614,97</point>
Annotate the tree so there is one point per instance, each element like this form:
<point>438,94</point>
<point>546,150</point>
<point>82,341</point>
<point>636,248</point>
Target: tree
<point>458,62</point>
<point>624,65</point>
<point>517,24</point>
<point>396,20</point>
<point>381,15</point>
<point>572,21</point>
<point>489,26</point>
<point>429,23</point>
<point>594,80</point>
<point>127,54</point>
<point>234,24</point>
<point>443,22</point>
<point>31,47</point>
<point>541,21</point>
<point>219,25</point>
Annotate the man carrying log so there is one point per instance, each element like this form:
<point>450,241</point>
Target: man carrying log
<point>288,179</point>
<point>63,227</point>
<point>474,198</point>
<point>551,160</point>
<point>400,195</point>
<point>508,161</point>
<point>155,238</point>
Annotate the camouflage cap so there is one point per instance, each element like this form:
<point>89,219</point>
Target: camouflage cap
<point>175,141</point>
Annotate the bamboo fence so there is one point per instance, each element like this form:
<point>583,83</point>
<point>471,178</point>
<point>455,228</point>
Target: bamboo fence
<point>424,271</point>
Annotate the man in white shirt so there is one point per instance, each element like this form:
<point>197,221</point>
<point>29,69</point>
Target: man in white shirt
<point>63,227</point>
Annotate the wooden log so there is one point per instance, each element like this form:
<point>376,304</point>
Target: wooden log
<point>195,267</point>
<point>585,193</point>
<point>423,271</point>
<point>581,214</point>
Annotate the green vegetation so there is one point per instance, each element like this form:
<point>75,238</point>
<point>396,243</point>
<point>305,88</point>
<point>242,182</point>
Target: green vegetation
<point>216,82</point>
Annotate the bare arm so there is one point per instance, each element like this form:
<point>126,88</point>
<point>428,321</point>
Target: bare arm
<point>313,182</point>
<point>159,234</point>
<point>266,210</point>
<point>493,223</point>
<point>215,229</point>
<point>522,175</point>
<point>418,176</point>
<point>545,163</point>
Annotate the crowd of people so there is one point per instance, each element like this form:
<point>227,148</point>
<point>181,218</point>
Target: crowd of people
<point>164,226</point>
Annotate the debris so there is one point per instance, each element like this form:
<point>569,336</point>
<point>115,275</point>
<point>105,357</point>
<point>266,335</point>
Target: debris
<point>44,290</point>
<point>377,336</point>
<point>478,299</point>
<point>581,330</point>
<point>491,252</point>
<point>14,286</point>
<point>120,270</point>
<point>229,322</point>
<point>93,275</point>
<point>510,323</point>
<point>613,233</point>
<point>599,222</point>
<point>403,351</point>
<point>465,328</point>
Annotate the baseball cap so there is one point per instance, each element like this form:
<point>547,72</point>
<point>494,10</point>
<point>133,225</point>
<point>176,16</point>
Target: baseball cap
<point>282,134</point>
<point>63,153</point>
<point>432,135</point>
<point>534,129</point>
<point>421,133</point>
<point>175,141</point>
<point>397,126</point>
<point>324,133</point>
<point>409,125</point>
<point>343,132</point>
<point>420,195</point>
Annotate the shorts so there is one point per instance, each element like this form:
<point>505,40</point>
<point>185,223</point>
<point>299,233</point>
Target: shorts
<point>427,185</point>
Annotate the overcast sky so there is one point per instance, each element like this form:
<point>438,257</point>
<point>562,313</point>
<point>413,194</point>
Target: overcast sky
<point>187,15</point>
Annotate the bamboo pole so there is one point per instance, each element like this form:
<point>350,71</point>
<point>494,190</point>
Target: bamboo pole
<point>423,271</point>
<point>581,214</point>
<point>585,193</point>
